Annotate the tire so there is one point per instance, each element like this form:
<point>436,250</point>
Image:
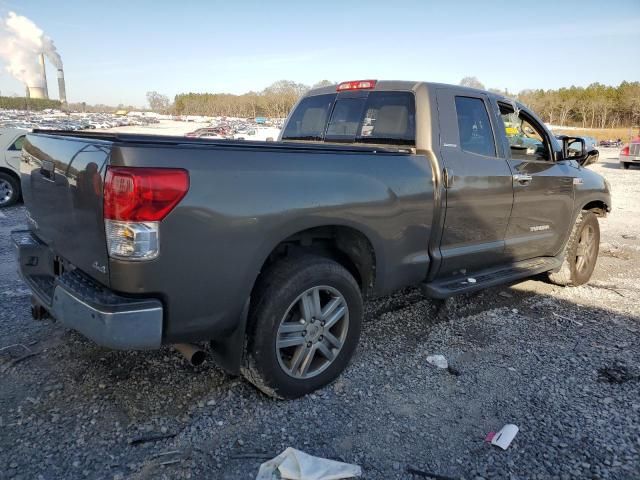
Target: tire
<point>9,190</point>
<point>625,165</point>
<point>276,360</point>
<point>581,252</point>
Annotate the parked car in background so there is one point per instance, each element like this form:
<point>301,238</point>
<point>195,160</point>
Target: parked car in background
<point>11,140</point>
<point>630,153</point>
<point>610,143</point>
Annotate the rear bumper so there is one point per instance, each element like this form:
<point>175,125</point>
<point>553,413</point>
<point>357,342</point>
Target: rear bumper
<point>80,303</point>
<point>629,158</point>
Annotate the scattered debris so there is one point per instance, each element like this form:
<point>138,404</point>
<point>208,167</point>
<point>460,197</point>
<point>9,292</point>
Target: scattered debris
<point>438,361</point>
<point>617,374</point>
<point>15,345</point>
<point>256,455</point>
<point>613,288</point>
<point>628,236</point>
<point>423,473</point>
<point>164,454</point>
<point>505,294</point>
<point>503,437</point>
<point>18,360</point>
<point>154,437</point>
<point>293,464</point>
<point>567,318</point>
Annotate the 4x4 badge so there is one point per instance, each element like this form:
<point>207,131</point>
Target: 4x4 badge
<point>100,268</point>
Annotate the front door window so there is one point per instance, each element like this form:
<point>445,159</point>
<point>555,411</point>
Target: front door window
<point>526,138</point>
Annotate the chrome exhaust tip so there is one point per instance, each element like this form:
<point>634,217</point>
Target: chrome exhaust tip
<point>193,353</point>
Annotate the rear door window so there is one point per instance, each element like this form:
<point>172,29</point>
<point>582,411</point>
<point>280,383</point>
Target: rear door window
<point>476,134</point>
<point>378,117</point>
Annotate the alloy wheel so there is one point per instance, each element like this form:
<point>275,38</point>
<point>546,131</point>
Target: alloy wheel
<point>312,332</point>
<point>587,249</point>
<point>6,191</point>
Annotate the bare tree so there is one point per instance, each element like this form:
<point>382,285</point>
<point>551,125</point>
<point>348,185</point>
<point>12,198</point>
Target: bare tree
<point>472,82</point>
<point>157,102</point>
<point>323,83</point>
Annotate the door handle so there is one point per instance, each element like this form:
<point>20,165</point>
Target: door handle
<point>522,179</point>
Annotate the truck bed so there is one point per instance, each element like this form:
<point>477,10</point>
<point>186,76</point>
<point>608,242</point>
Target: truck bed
<point>244,199</point>
<point>142,139</point>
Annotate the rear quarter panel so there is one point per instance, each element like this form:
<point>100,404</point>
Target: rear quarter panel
<point>243,202</point>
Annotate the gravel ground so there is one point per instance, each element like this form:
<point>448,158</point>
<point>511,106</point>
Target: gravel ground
<point>562,364</point>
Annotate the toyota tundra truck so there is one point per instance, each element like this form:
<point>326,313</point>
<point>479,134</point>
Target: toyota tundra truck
<point>267,250</point>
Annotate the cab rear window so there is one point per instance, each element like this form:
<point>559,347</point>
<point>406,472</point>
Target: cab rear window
<point>379,118</point>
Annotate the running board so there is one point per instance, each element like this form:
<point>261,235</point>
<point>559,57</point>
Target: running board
<point>491,277</point>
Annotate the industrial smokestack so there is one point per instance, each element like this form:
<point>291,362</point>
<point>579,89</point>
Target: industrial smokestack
<point>22,44</point>
<point>43,71</point>
<point>62,89</point>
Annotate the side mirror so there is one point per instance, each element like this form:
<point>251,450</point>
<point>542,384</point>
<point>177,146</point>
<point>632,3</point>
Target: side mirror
<point>573,148</point>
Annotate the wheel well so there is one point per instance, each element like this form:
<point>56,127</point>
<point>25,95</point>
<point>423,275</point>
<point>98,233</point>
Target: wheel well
<point>10,172</point>
<point>345,245</point>
<point>598,207</point>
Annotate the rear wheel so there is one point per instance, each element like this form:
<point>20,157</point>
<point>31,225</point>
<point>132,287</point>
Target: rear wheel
<point>625,165</point>
<point>581,252</point>
<point>303,328</point>
<point>9,190</point>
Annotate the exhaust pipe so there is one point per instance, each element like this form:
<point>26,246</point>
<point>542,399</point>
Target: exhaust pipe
<point>193,353</point>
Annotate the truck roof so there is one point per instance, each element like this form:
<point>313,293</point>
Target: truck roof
<point>396,85</point>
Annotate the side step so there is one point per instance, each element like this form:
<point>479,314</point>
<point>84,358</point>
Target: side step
<point>490,278</point>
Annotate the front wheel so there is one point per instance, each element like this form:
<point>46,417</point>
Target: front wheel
<point>625,165</point>
<point>581,252</point>
<point>304,326</point>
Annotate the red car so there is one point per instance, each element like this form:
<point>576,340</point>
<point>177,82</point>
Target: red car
<point>630,153</point>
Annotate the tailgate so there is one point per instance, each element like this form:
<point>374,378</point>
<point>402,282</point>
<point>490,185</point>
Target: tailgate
<point>62,189</point>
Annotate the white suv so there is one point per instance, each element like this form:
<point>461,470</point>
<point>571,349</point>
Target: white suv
<point>11,140</point>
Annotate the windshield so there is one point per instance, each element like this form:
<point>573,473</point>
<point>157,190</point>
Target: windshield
<point>379,117</point>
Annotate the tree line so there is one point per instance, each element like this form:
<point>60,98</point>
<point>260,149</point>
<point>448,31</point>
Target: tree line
<point>24,103</point>
<point>274,101</point>
<point>595,106</point>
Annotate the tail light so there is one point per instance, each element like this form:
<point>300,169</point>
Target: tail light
<point>357,85</point>
<point>135,201</point>
<point>625,150</point>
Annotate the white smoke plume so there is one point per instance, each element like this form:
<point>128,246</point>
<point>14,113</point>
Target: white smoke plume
<point>21,41</point>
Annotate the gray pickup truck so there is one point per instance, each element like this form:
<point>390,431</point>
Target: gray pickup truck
<point>266,250</point>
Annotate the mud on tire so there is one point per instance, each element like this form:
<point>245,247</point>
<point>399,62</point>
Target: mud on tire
<point>581,252</point>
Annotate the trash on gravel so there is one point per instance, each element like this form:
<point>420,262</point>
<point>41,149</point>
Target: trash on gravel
<point>628,236</point>
<point>438,361</point>
<point>503,437</point>
<point>293,464</point>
